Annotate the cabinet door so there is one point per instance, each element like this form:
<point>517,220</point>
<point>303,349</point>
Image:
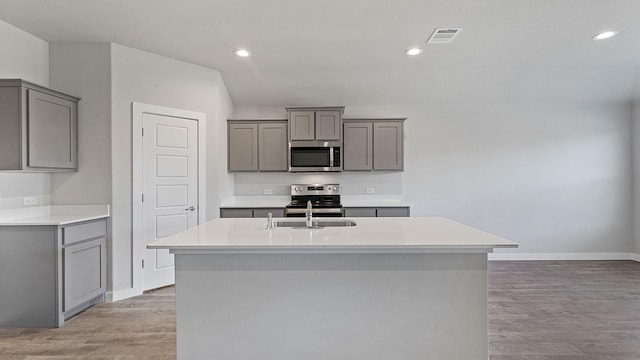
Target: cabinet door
<point>387,146</point>
<point>243,147</point>
<point>302,125</point>
<point>272,147</point>
<point>51,131</point>
<point>358,146</point>
<point>84,272</point>
<point>328,125</point>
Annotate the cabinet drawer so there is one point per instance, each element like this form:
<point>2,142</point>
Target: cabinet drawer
<point>360,212</point>
<point>263,213</point>
<point>90,230</point>
<point>236,213</point>
<point>393,212</point>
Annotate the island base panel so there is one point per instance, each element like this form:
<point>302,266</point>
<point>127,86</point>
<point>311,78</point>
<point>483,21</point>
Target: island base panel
<point>331,306</point>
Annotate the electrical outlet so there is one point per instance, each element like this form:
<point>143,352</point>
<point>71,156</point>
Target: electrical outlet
<point>266,191</point>
<point>30,200</point>
<point>369,190</point>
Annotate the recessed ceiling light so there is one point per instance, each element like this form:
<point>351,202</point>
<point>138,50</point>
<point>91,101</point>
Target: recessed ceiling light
<point>413,51</point>
<point>605,35</point>
<point>241,52</point>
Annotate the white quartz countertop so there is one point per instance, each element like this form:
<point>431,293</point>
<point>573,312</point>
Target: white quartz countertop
<point>53,214</point>
<point>370,235</point>
<point>280,201</point>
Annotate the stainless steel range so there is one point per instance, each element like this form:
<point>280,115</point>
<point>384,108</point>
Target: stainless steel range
<point>324,198</point>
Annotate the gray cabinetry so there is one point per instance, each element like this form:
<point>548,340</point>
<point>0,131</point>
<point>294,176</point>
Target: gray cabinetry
<point>50,273</point>
<point>272,146</point>
<point>255,145</point>
<point>322,124</point>
<point>373,144</point>
<point>358,146</point>
<point>38,128</point>
<point>251,212</point>
<point>84,256</point>
<point>243,147</point>
<point>399,211</point>
<point>302,125</point>
<point>388,146</point>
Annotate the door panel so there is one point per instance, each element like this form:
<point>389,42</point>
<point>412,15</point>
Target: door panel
<point>171,166</point>
<point>170,183</point>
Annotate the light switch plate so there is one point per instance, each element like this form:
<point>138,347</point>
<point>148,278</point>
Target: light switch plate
<point>30,200</point>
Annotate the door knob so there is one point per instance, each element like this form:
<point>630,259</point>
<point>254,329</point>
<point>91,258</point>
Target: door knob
<point>191,208</point>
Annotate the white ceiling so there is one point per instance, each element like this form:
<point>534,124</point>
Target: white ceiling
<point>351,52</point>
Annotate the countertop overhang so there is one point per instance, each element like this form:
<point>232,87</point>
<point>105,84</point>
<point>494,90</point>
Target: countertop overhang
<point>370,235</point>
<point>55,215</point>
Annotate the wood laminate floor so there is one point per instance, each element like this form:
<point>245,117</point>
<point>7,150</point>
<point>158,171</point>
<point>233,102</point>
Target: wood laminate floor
<point>555,310</point>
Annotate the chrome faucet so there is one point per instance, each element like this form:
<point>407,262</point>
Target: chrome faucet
<point>309,215</point>
<point>270,223</point>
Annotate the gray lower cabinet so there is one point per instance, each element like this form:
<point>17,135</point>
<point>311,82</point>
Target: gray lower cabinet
<point>400,211</point>
<point>373,145</point>
<point>38,128</point>
<point>84,252</point>
<point>257,145</point>
<point>50,273</point>
<point>251,212</point>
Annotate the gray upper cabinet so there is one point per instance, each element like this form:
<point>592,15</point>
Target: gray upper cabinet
<point>302,125</point>
<point>373,144</point>
<point>38,128</point>
<point>322,124</point>
<point>358,146</point>
<point>388,146</point>
<point>272,146</point>
<point>255,145</point>
<point>328,125</point>
<point>243,147</point>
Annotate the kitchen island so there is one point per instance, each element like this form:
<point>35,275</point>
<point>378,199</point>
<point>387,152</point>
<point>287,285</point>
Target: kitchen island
<point>386,288</point>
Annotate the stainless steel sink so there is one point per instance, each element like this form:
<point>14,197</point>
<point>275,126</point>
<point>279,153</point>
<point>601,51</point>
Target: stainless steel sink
<point>317,224</point>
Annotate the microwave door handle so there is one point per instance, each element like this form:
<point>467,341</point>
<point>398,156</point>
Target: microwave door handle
<point>331,156</point>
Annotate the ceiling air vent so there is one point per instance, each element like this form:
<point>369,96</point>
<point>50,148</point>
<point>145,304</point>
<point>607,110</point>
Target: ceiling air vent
<point>443,35</point>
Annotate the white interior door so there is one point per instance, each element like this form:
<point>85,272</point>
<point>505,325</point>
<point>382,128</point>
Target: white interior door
<point>170,189</point>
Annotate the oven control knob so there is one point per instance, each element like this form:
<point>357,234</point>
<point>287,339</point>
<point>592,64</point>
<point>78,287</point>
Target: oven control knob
<point>298,189</point>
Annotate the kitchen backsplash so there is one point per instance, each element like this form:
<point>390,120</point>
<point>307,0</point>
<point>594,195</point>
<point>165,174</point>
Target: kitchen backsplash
<point>15,188</point>
<point>351,183</point>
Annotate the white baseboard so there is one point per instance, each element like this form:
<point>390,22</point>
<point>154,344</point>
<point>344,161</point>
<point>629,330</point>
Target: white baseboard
<point>122,294</point>
<point>563,256</point>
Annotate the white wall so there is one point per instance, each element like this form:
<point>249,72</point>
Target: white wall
<point>84,70</point>
<point>555,178</point>
<point>139,76</point>
<point>225,184</point>
<point>636,162</point>
<point>24,56</point>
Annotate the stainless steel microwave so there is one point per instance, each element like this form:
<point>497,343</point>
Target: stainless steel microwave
<point>314,156</point>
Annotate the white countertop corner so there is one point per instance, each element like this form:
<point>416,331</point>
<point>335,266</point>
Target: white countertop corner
<point>53,214</point>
